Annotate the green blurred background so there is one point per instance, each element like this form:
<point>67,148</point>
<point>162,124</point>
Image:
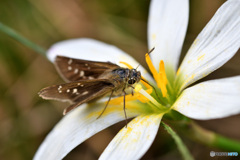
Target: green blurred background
<point>25,119</point>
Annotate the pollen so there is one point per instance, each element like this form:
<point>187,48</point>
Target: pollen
<point>201,57</point>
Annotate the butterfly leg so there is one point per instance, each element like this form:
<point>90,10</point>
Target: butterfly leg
<point>124,106</point>
<point>132,90</point>
<point>106,104</point>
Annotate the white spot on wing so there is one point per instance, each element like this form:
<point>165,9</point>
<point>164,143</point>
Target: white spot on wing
<point>81,73</point>
<point>68,90</point>
<point>90,77</point>
<point>76,71</point>
<point>70,61</point>
<point>81,85</point>
<point>84,93</point>
<point>69,68</point>
<point>75,90</point>
<point>86,64</point>
<point>59,89</point>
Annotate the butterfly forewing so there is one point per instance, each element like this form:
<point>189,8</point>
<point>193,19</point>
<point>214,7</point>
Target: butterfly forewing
<point>76,69</point>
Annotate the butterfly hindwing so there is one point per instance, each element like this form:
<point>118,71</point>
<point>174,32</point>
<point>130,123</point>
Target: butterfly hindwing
<point>77,92</point>
<point>76,69</point>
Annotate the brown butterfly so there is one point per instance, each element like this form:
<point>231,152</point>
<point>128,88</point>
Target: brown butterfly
<point>88,81</point>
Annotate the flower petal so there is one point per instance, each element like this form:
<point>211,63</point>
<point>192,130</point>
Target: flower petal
<point>77,126</point>
<point>93,50</point>
<point>214,46</point>
<point>211,99</point>
<point>132,142</point>
<point>167,27</point>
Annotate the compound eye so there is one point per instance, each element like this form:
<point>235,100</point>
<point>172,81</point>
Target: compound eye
<point>131,81</point>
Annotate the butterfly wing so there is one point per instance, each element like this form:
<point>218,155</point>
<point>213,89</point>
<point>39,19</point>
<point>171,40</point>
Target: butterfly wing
<point>77,92</point>
<point>76,69</point>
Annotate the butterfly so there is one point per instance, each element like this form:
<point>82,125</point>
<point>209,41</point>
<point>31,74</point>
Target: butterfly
<point>88,81</point>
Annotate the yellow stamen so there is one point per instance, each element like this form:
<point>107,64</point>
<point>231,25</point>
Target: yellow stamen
<point>163,86</point>
<point>145,84</point>
<point>140,97</point>
<point>126,64</point>
<point>137,88</point>
<point>160,77</point>
<point>162,70</point>
<point>152,68</point>
<point>147,96</point>
<point>163,78</point>
<point>178,71</point>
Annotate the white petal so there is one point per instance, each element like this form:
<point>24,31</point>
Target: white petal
<point>167,27</point>
<point>132,142</point>
<point>90,49</point>
<point>77,126</point>
<point>214,46</point>
<point>212,99</point>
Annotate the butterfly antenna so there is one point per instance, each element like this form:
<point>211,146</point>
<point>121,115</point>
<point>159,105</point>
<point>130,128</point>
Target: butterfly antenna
<point>151,51</point>
<point>137,66</point>
<point>152,87</point>
<point>148,54</point>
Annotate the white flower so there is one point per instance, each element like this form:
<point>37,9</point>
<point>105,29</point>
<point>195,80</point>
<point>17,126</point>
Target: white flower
<point>168,19</point>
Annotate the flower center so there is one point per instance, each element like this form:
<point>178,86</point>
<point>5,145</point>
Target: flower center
<point>144,95</point>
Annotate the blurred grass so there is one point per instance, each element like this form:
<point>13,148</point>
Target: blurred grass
<point>25,119</point>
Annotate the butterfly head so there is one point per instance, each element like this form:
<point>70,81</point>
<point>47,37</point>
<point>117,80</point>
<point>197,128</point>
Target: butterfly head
<point>134,76</point>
